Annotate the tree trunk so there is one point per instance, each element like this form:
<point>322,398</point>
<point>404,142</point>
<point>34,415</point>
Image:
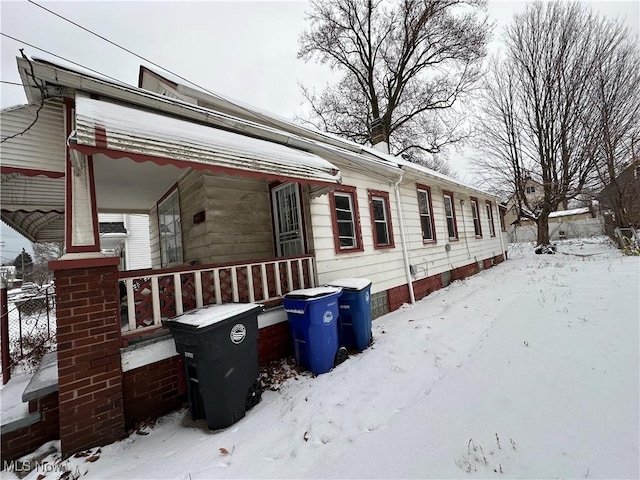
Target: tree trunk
<point>543,229</point>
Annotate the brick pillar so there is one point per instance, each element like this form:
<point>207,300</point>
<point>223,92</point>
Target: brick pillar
<point>89,369</point>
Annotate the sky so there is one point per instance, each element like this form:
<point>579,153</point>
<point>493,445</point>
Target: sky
<point>245,50</point>
<point>526,370</point>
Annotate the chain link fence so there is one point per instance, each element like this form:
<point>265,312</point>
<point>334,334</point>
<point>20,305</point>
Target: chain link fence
<point>32,326</point>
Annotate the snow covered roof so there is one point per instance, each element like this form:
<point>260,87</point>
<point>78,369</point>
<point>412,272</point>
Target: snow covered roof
<point>437,175</point>
<point>340,144</point>
<point>268,127</point>
<point>102,124</point>
<point>567,213</point>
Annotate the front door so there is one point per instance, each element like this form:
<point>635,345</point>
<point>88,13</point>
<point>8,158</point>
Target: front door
<point>287,219</point>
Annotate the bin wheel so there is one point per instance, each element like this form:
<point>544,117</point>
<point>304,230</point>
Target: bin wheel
<point>341,355</point>
<point>253,396</point>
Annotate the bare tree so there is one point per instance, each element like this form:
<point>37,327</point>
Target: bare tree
<point>615,116</point>
<point>43,253</point>
<point>538,113</point>
<point>406,64</point>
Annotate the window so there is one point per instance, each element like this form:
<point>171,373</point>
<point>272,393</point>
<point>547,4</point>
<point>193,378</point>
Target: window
<point>450,213</point>
<point>345,220</point>
<point>503,212</point>
<point>169,228</point>
<point>381,219</point>
<point>492,228</point>
<point>475,213</point>
<point>530,189</point>
<point>426,218</point>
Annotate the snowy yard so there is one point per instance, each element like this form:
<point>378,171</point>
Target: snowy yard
<point>527,370</point>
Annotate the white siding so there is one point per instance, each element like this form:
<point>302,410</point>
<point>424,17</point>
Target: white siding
<point>431,259</point>
<point>110,217</point>
<point>42,146</point>
<point>385,267</point>
<point>154,238</point>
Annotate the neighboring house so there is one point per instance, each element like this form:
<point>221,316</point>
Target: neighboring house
<point>563,224</point>
<point>8,274</point>
<point>243,206</point>
<point>533,194</point>
<point>126,236</point>
<point>622,197</point>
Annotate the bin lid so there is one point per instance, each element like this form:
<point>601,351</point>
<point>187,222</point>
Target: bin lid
<point>351,283</point>
<point>212,314</point>
<point>314,292</point>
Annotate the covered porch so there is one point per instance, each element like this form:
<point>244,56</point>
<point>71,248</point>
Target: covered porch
<point>248,243</point>
<point>111,157</point>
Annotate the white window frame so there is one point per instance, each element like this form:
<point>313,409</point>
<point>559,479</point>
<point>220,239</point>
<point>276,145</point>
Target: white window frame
<point>352,221</point>
<point>428,215</point>
<point>492,227</point>
<point>475,213</point>
<point>452,217</point>
<point>383,221</point>
<point>170,232</point>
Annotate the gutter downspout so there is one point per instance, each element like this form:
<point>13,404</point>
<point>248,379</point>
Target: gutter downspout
<point>464,228</point>
<point>403,237</point>
<point>504,253</point>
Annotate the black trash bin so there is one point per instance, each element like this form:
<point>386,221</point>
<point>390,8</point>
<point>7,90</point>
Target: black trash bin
<point>218,344</point>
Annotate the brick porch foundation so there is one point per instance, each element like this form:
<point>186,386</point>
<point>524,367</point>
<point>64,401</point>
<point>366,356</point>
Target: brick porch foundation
<point>89,370</point>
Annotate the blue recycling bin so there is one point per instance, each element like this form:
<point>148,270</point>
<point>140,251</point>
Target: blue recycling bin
<point>354,322</point>
<point>313,319</point>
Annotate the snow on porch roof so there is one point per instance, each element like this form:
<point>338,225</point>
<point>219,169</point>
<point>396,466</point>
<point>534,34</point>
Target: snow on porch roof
<point>120,131</point>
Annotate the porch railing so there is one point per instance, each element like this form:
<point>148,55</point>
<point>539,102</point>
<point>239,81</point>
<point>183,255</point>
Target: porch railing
<point>148,296</point>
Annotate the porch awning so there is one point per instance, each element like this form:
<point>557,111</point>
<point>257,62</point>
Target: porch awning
<point>120,131</point>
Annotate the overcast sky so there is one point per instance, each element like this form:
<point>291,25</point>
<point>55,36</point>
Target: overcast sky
<point>246,50</point>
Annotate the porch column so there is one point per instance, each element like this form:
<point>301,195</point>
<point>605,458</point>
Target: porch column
<point>89,368</point>
<point>81,213</point>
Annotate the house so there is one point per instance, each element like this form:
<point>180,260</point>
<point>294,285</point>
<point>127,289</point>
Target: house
<point>8,274</point>
<point>533,195</point>
<point>243,206</point>
<point>126,236</point>
<point>620,199</point>
<point>563,224</point>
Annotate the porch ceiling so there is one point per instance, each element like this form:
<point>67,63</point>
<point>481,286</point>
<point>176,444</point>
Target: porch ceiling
<point>39,227</point>
<point>125,186</point>
<point>33,206</point>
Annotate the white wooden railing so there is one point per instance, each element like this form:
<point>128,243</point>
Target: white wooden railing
<point>153,295</point>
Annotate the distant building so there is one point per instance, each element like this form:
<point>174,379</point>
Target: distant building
<point>126,236</point>
<point>8,273</point>
<point>533,195</point>
<point>621,198</point>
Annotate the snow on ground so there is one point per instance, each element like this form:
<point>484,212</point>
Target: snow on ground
<point>11,405</point>
<point>526,370</point>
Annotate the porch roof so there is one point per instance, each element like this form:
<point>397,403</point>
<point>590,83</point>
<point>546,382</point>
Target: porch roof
<point>118,131</point>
